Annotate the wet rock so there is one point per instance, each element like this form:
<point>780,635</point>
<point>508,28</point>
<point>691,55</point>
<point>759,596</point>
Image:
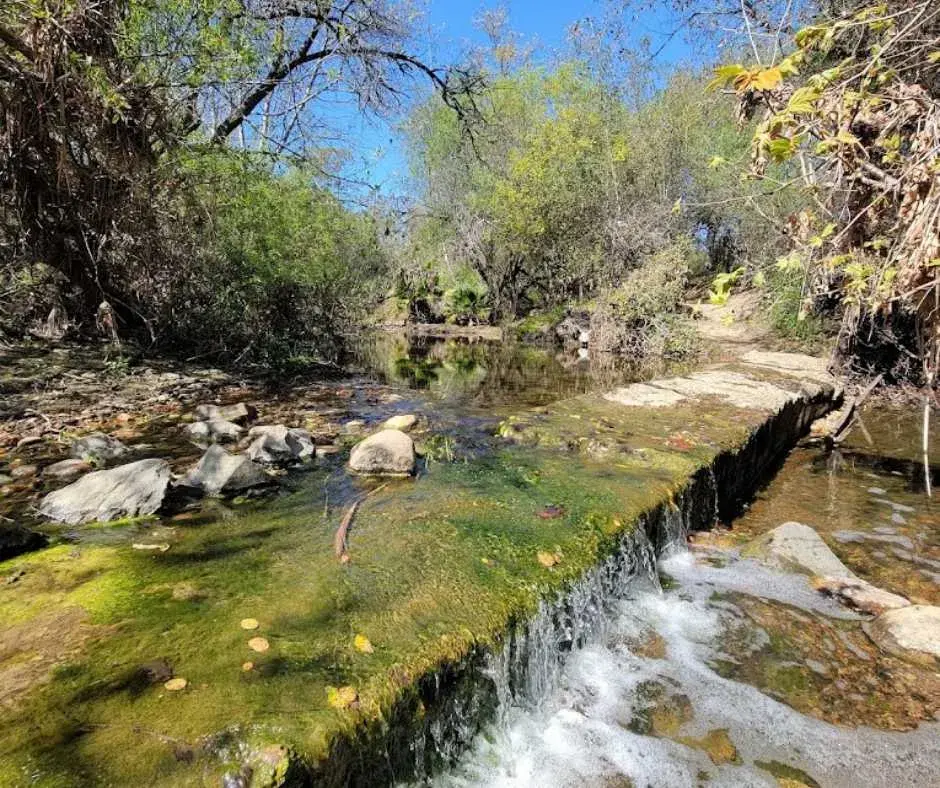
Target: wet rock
<point>66,470</point>
<point>403,422</point>
<point>861,595</point>
<point>16,540</point>
<point>21,472</point>
<point>389,452</point>
<point>569,330</point>
<point>219,472</point>
<point>213,431</point>
<point>797,546</point>
<point>276,444</point>
<point>98,447</point>
<point>912,631</point>
<point>239,413</point>
<point>133,490</point>
<point>641,395</point>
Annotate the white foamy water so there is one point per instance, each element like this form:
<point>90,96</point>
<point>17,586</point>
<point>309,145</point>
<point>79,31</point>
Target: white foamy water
<point>578,734</point>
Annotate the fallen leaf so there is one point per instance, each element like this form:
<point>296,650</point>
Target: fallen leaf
<point>341,698</point>
<point>175,685</point>
<point>249,623</point>
<point>361,642</point>
<point>246,666</point>
<point>552,511</point>
<point>259,644</point>
<point>548,560</point>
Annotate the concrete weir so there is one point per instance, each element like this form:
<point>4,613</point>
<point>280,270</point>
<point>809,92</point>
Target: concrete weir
<point>465,591</point>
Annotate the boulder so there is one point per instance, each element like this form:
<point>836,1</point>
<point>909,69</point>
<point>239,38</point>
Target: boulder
<point>279,444</point>
<point>133,490</point>
<point>239,413</point>
<point>98,447</point>
<point>912,631</point>
<point>219,472</point>
<point>403,422</point>
<point>389,452</point>
<point>861,595</point>
<point>213,431</point>
<point>797,546</point>
<point>66,470</point>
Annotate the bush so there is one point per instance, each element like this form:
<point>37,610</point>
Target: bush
<point>641,316</point>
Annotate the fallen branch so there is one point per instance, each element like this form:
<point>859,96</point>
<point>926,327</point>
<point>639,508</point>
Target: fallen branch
<point>340,545</point>
<point>849,416</point>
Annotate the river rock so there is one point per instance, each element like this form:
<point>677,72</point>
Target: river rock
<point>219,472</point>
<point>909,631</point>
<point>388,452</point>
<point>133,490</point>
<point>797,546</point>
<point>239,413</point>
<point>278,444</point>
<point>21,472</point>
<point>403,422</point>
<point>97,447</point>
<point>861,595</point>
<point>213,431</point>
<point>66,470</point>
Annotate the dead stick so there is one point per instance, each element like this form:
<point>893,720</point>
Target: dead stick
<point>341,540</point>
<point>849,417</point>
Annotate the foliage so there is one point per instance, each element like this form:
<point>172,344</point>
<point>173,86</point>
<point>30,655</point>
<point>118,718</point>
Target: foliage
<point>566,189</point>
<point>854,104</point>
<point>641,317</point>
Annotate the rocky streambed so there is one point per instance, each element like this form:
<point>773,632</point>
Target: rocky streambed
<point>230,641</point>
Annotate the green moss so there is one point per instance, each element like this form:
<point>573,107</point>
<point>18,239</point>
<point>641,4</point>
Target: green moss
<point>439,566</point>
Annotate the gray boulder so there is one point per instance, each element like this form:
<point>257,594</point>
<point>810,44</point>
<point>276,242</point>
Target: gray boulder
<point>277,444</point>
<point>213,431</point>
<point>219,472</point>
<point>239,413</point>
<point>66,470</point>
<point>797,546</point>
<point>402,422</point>
<point>387,453</point>
<point>97,446</point>
<point>132,490</point>
<point>912,631</point>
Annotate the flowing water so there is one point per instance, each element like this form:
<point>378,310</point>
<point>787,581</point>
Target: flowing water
<point>709,668</point>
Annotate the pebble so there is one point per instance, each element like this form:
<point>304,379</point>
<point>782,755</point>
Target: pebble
<point>876,491</point>
<point>898,518</point>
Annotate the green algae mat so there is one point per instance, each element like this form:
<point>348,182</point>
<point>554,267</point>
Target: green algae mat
<point>177,654</point>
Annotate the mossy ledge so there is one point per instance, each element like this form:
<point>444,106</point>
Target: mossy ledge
<point>448,581</point>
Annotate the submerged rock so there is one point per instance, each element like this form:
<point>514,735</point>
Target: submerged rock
<point>913,630</point>
<point>239,413</point>
<point>97,447</point>
<point>66,470</point>
<point>278,444</point>
<point>214,431</point>
<point>220,472</point>
<point>133,490</point>
<point>797,546</point>
<point>387,453</point>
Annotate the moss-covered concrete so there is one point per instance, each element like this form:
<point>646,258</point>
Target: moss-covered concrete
<point>440,569</point>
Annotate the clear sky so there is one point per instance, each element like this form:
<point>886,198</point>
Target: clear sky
<point>378,156</point>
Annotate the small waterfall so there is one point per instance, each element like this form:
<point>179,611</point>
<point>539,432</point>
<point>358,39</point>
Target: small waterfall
<point>527,666</point>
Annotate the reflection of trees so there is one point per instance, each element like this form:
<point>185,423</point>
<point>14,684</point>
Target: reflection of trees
<point>495,373</point>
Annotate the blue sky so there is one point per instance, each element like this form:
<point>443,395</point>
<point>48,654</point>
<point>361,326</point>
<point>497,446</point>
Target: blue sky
<point>378,155</point>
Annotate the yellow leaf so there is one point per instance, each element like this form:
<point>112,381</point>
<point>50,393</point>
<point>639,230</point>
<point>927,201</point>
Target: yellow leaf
<point>548,560</point>
<point>361,642</point>
<point>249,623</point>
<point>767,79</point>
<point>259,644</point>
<point>342,697</point>
<point>175,685</point>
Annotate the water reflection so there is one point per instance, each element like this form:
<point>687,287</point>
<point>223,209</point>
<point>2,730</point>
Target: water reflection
<point>486,373</point>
